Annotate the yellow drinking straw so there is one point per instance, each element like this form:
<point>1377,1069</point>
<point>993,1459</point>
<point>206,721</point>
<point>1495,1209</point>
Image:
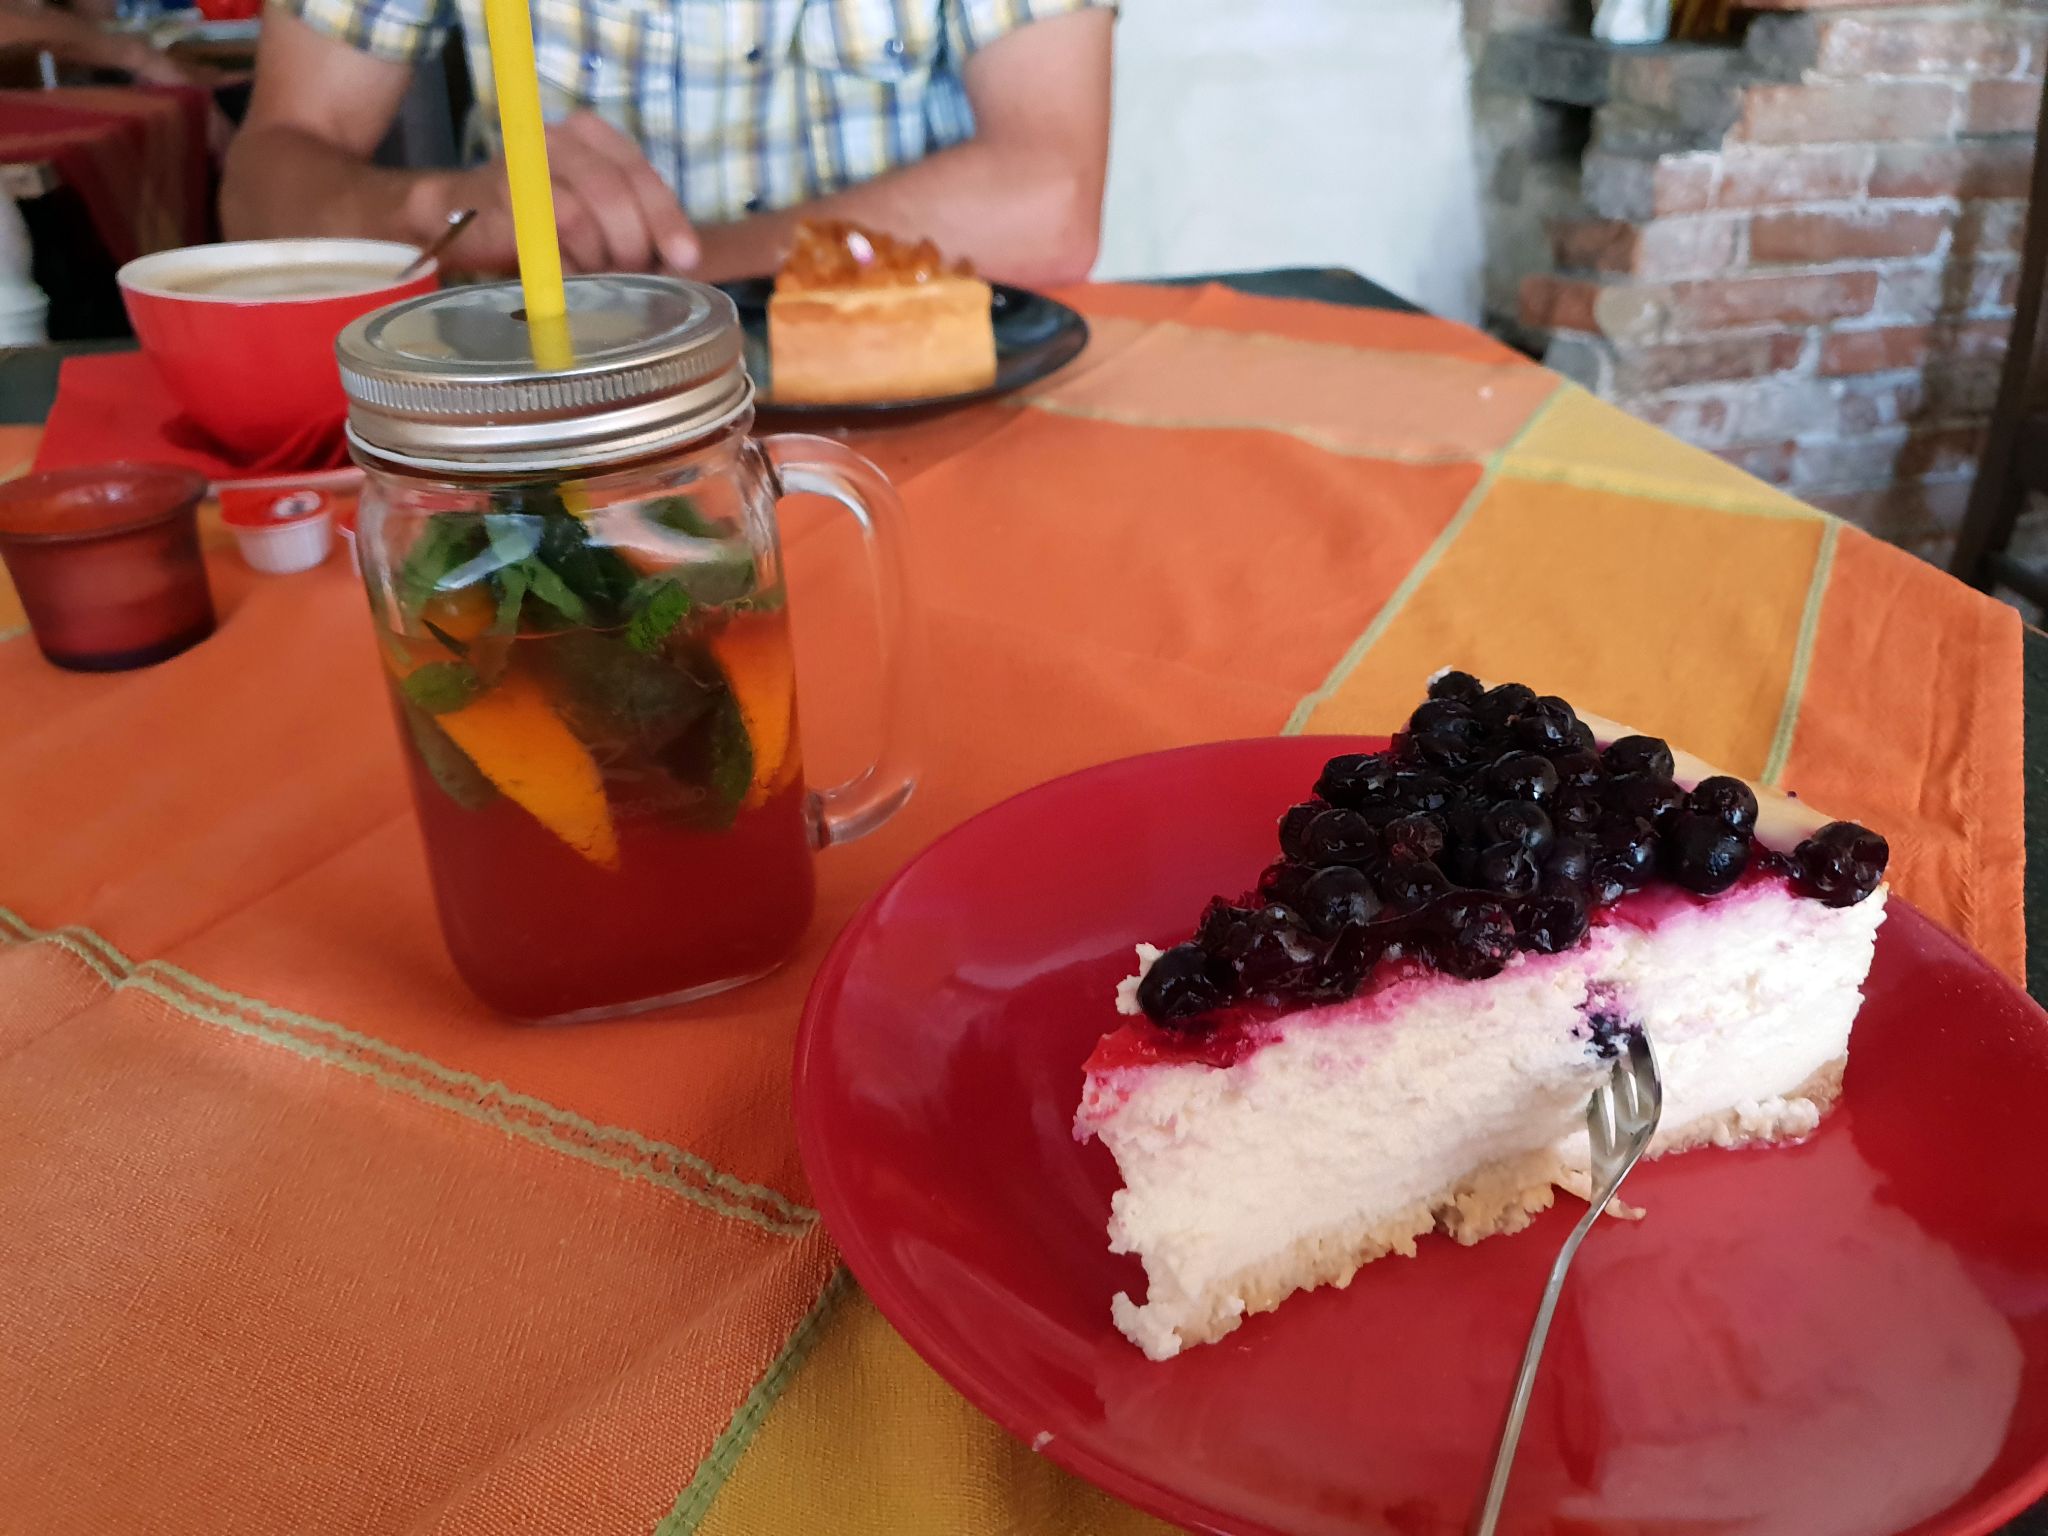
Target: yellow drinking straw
<point>510,27</point>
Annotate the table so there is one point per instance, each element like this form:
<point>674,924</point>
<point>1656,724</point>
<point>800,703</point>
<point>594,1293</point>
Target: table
<point>319,1245</point>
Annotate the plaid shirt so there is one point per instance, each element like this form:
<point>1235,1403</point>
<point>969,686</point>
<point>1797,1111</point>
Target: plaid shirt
<point>741,105</point>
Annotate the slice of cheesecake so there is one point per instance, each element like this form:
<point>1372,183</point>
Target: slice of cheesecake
<point>1398,1030</point>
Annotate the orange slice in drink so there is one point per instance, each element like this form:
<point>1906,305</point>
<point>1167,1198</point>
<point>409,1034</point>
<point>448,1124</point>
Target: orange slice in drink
<point>516,739</point>
<point>513,735</point>
<point>754,652</point>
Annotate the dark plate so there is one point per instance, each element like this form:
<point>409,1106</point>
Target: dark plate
<point>1035,336</point>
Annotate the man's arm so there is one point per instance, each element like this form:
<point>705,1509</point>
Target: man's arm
<point>1022,199</point>
<point>301,166</point>
<point>77,40</point>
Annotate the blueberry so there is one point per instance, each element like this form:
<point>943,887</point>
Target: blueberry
<point>1639,794</point>
<point>1416,836</point>
<point>1471,936</point>
<point>1703,853</point>
<point>1639,754</point>
<point>1566,862</point>
<point>1521,822</point>
<point>1500,705</point>
<point>1223,925</point>
<point>1630,839</point>
<point>1460,686</point>
<point>1576,810</point>
<point>1407,886</point>
<point>1356,779</point>
<point>1426,791</point>
<point>1446,734</point>
<point>1351,954</point>
<point>1294,822</point>
<point>1507,868</point>
<point>1338,896</point>
<point>1284,882</point>
<point>1841,863</point>
<point>1522,776</point>
<point>1178,987</point>
<point>1545,726</point>
<point>1583,738</point>
<point>1729,801</point>
<point>1465,823</point>
<point>1554,921</point>
<point>1577,768</point>
<point>1341,837</point>
<point>1273,955</point>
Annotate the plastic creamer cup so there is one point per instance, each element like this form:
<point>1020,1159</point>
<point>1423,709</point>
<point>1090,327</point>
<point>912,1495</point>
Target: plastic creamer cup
<point>279,531</point>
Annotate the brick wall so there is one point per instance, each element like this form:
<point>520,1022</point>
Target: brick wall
<point>1800,252</point>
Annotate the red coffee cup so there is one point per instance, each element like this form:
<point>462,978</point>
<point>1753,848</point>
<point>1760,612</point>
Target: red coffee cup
<point>250,360</point>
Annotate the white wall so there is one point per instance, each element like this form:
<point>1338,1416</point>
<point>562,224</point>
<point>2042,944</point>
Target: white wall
<point>1269,133</point>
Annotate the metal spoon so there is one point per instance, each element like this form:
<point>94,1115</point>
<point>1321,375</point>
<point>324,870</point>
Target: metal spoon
<point>1620,1121</point>
<point>458,221</point>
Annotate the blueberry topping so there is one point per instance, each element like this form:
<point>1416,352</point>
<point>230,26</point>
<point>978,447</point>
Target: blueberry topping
<point>1336,897</point>
<point>1416,836</point>
<point>1727,800</point>
<point>1357,779</point>
<point>1178,987</point>
<point>1508,869</point>
<point>1471,936</point>
<point>1521,822</point>
<point>1841,863</point>
<point>1294,822</point>
<point>1341,837</point>
<point>1522,776</point>
<point>1492,822</point>
<point>1462,687</point>
<point>1640,754</point>
<point>1554,921</point>
<point>1703,853</point>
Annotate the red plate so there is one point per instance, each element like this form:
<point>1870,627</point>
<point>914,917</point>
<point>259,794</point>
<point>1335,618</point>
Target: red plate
<point>1844,1338</point>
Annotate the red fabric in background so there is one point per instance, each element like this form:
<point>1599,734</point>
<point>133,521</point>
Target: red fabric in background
<point>136,155</point>
<point>114,405</point>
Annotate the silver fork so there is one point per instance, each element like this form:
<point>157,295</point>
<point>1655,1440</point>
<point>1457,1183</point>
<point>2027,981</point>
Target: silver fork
<point>1620,1121</point>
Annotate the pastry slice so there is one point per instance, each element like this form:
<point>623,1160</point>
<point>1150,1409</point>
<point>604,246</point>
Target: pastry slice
<point>861,317</point>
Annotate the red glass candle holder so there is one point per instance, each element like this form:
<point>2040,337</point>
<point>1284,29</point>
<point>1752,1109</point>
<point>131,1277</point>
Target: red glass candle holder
<point>106,561</point>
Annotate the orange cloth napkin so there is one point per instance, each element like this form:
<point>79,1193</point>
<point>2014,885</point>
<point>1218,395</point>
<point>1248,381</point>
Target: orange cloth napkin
<point>114,405</point>
<point>296,1237</point>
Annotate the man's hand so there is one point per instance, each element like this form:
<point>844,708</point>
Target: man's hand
<point>613,212</point>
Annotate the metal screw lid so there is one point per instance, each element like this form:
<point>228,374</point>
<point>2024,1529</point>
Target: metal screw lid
<point>448,380</point>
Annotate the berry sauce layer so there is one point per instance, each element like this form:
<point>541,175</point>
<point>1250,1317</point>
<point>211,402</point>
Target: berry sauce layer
<point>1495,822</point>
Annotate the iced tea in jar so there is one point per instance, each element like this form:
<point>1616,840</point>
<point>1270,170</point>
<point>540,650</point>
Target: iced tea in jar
<point>578,593</point>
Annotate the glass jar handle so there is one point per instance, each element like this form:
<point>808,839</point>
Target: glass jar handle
<point>820,467</point>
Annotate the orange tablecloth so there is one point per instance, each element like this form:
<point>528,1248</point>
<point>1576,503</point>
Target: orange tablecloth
<point>293,1236</point>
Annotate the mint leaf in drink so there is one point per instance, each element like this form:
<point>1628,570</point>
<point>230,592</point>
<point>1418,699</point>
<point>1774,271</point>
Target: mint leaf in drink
<point>609,692</point>
<point>732,757</point>
<point>445,543</point>
<point>545,583</point>
<point>657,610</point>
<point>441,687</point>
<point>512,583</point>
<point>679,514</point>
<point>459,778</point>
